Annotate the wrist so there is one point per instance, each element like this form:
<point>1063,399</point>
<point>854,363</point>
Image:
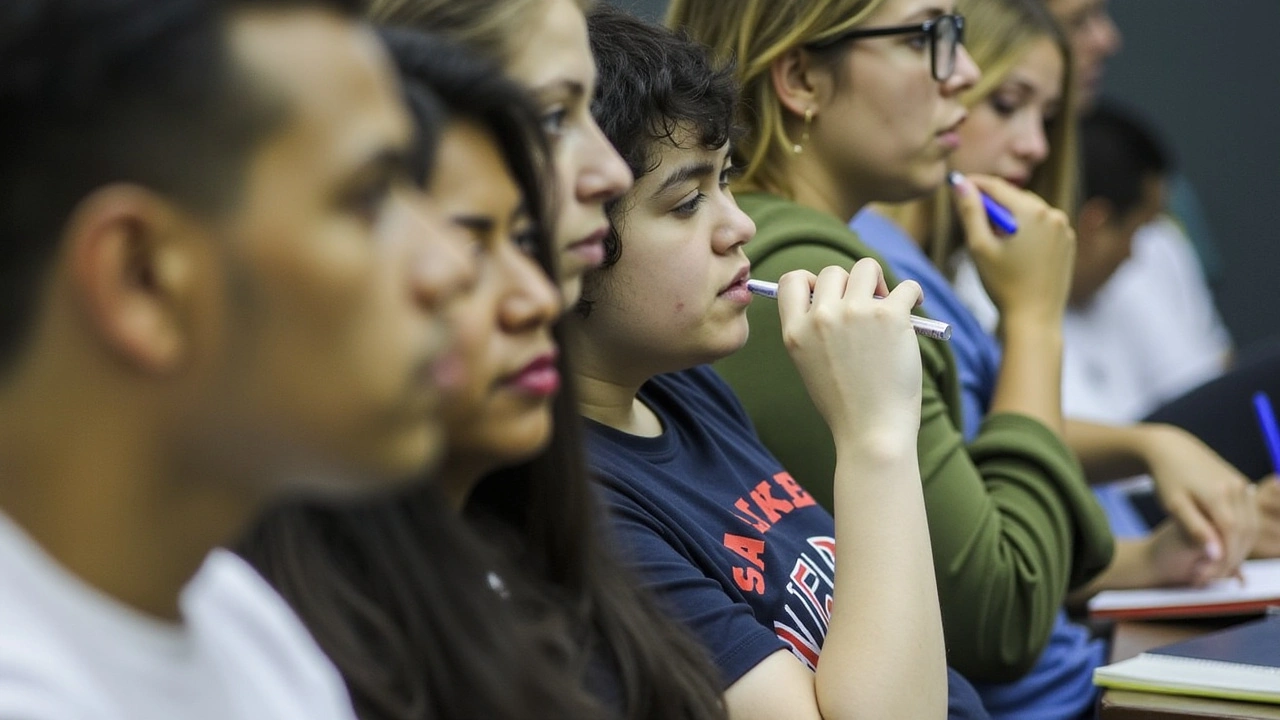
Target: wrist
<point>879,447</point>
<point>1151,440</point>
<point>1039,328</point>
<point>1135,565</point>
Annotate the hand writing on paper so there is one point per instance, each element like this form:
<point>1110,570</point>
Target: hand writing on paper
<point>1205,495</point>
<point>1267,500</point>
<point>1177,558</point>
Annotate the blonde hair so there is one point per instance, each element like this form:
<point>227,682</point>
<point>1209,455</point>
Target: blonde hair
<point>494,28</point>
<point>998,35</point>
<point>754,35</point>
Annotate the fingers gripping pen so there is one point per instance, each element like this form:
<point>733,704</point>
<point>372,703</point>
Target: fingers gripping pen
<point>935,329</point>
<point>998,215</point>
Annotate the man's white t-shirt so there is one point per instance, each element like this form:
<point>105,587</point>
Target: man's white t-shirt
<point>69,652</point>
<point>1150,334</point>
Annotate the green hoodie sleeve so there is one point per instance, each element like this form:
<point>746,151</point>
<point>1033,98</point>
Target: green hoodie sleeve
<point>1012,522</point>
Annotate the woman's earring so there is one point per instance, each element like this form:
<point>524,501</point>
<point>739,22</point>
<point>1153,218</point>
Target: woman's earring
<point>798,148</point>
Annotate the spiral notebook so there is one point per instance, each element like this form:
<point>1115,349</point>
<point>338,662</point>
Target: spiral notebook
<point>1240,663</point>
<point>1260,590</point>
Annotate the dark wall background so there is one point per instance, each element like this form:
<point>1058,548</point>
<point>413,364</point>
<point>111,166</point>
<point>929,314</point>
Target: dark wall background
<point>1207,73</point>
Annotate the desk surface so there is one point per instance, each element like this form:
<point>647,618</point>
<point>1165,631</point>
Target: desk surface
<point>1131,638</point>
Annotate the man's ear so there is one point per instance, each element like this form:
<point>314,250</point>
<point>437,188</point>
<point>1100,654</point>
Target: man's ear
<point>1095,214</point>
<point>798,83</point>
<point>131,264</point>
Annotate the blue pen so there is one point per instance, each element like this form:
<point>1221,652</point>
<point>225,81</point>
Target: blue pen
<point>999,215</point>
<point>1270,432</point>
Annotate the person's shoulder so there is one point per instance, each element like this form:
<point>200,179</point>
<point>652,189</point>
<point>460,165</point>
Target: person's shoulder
<point>873,226</point>
<point>42,676</point>
<point>699,380</point>
<point>230,606</point>
<point>22,699</point>
<point>780,222</point>
<point>705,393</point>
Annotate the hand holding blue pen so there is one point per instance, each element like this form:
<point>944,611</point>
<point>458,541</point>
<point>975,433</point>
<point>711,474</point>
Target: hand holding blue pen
<point>1270,431</point>
<point>998,215</point>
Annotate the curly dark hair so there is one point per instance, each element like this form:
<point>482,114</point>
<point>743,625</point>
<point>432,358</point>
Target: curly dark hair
<point>654,86</point>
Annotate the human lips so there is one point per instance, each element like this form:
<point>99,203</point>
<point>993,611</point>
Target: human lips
<point>590,250</point>
<point>950,135</point>
<point>540,377</point>
<point>737,288</point>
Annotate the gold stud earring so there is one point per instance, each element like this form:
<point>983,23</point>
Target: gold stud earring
<point>798,148</point>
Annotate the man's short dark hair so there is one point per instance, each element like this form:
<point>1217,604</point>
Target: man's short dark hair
<point>1121,152</point>
<point>94,92</point>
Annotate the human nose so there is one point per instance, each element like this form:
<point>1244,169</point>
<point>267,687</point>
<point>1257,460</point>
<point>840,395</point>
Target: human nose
<point>1031,144</point>
<point>530,299</point>
<point>602,175</point>
<point>441,268</point>
<point>735,229</point>
<point>965,75</point>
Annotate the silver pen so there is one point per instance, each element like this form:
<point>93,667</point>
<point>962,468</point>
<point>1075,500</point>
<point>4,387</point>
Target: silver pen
<point>935,329</point>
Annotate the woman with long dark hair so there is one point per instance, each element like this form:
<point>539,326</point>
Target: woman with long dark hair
<point>489,594</point>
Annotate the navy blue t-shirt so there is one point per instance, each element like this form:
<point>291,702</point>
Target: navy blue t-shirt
<point>721,532</point>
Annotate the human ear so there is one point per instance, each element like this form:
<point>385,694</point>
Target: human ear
<point>798,82</point>
<point>131,264</point>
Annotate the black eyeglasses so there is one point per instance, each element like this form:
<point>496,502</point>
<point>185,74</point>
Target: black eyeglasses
<point>945,33</point>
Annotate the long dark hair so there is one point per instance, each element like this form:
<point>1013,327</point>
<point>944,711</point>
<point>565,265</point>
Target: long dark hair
<point>427,620</point>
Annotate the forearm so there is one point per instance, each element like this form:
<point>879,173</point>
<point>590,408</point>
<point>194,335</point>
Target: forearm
<point>1030,379</point>
<point>1111,452</point>
<point>1013,527</point>
<point>1130,568</point>
<point>885,628</point>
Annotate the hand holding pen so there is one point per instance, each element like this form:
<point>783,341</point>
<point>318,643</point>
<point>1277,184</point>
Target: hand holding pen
<point>1266,416</point>
<point>1027,272</point>
<point>855,351</point>
<point>1267,496</point>
<point>935,329</point>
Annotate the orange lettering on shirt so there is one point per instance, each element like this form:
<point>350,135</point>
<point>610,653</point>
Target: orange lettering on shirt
<point>749,580</point>
<point>755,521</point>
<point>772,507</point>
<point>749,548</point>
<point>799,496</point>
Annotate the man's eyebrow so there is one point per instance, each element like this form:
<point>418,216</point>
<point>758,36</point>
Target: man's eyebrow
<point>478,224</point>
<point>686,172</point>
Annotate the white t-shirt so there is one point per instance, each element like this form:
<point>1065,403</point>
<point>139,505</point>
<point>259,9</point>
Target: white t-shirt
<point>69,652</point>
<point>1150,334</point>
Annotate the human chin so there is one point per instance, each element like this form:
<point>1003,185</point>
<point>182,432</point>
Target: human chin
<point>515,440</point>
<point>932,175</point>
<point>398,460</point>
<point>731,338</point>
<point>571,289</point>
<point>916,182</point>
